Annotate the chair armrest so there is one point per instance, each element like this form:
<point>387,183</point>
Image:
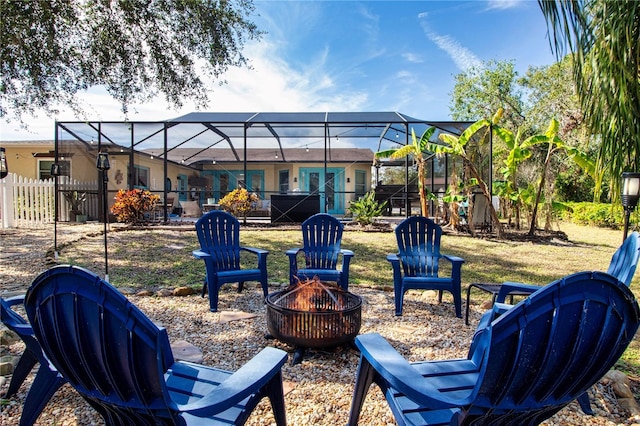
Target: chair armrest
<point>200,254</point>
<point>15,300</point>
<point>293,263</point>
<point>13,318</point>
<point>261,255</point>
<point>393,257</point>
<point>255,250</point>
<point>250,378</point>
<point>509,286</point>
<point>400,374</point>
<point>456,266</point>
<point>346,253</point>
<point>491,314</point>
<point>500,308</point>
<point>453,259</point>
<point>293,252</point>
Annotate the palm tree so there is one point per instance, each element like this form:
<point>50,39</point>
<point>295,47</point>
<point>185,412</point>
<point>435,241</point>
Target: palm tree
<point>417,150</point>
<point>604,37</point>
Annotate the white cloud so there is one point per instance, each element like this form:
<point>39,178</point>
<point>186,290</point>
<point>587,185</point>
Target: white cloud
<point>271,85</point>
<point>503,4</point>
<point>413,58</point>
<point>461,56</point>
<point>406,76</point>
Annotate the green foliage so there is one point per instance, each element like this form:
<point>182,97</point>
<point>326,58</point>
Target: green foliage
<point>603,37</point>
<point>365,209</point>
<point>594,214</point>
<point>239,202</point>
<point>458,146</point>
<point>574,185</point>
<point>397,175</point>
<point>552,94</point>
<point>480,91</point>
<point>130,206</point>
<point>51,50</point>
<point>417,150</point>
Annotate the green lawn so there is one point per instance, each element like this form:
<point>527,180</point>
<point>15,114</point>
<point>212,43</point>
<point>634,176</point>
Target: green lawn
<point>162,258</point>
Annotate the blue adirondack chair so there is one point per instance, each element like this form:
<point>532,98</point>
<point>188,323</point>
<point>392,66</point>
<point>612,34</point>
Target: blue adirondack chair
<point>526,366</point>
<point>219,237</point>
<point>416,265</point>
<point>622,266</point>
<point>122,363</point>
<point>321,239</point>
<point>47,380</point>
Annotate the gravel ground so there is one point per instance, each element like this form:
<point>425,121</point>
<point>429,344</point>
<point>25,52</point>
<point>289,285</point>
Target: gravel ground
<point>318,391</point>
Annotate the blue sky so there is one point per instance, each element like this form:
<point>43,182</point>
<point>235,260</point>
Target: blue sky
<point>351,56</point>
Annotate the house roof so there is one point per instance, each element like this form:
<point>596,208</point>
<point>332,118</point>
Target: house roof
<point>191,156</point>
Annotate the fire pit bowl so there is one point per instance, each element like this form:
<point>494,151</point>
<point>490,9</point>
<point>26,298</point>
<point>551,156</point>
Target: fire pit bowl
<point>314,315</point>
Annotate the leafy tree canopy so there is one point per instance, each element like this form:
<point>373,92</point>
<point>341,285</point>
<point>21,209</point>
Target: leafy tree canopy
<point>551,93</point>
<point>604,36</point>
<point>53,49</point>
<point>479,92</point>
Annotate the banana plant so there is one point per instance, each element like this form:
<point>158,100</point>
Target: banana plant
<point>456,145</point>
<point>519,151</point>
<point>418,150</point>
<point>556,144</point>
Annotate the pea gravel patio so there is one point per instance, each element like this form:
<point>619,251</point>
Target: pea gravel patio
<point>318,391</point>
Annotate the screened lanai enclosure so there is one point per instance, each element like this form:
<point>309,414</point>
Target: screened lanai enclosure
<point>314,161</point>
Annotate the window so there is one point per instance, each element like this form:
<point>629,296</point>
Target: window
<point>140,177</point>
<point>240,181</point>
<point>283,181</point>
<point>361,183</point>
<point>223,185</point>
<point>44,168</point>
<point>182,187</point>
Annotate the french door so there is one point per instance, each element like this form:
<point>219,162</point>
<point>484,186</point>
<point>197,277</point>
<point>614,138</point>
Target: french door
<point>329,186</point>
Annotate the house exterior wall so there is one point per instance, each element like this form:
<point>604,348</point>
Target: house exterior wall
<point>186,183</point>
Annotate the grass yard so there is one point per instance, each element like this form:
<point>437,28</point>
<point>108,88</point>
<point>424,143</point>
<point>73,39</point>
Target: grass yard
<point>161,258</point>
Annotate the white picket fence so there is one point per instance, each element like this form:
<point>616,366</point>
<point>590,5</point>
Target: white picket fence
<point>31,202</point>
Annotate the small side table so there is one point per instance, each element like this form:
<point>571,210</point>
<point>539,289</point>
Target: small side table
<point>492,288</point>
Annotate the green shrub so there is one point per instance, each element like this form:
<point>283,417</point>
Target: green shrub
<point>366,208</point>
<point>603,215</point>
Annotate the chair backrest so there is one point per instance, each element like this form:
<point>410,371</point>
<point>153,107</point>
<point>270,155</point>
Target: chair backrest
<point>106,348</point>
<point>550,348</point>
<point>625,259</point>
<point>321,238</point>
<point>219,235</point>
<point>418,240</point>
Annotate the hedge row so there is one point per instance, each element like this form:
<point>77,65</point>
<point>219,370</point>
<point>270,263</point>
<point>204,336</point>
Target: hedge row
<point>598,214</point>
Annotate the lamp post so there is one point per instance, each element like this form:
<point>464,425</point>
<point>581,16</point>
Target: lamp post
<point>629,196</point>
<point>55,172</point>
<point>102,163</point>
